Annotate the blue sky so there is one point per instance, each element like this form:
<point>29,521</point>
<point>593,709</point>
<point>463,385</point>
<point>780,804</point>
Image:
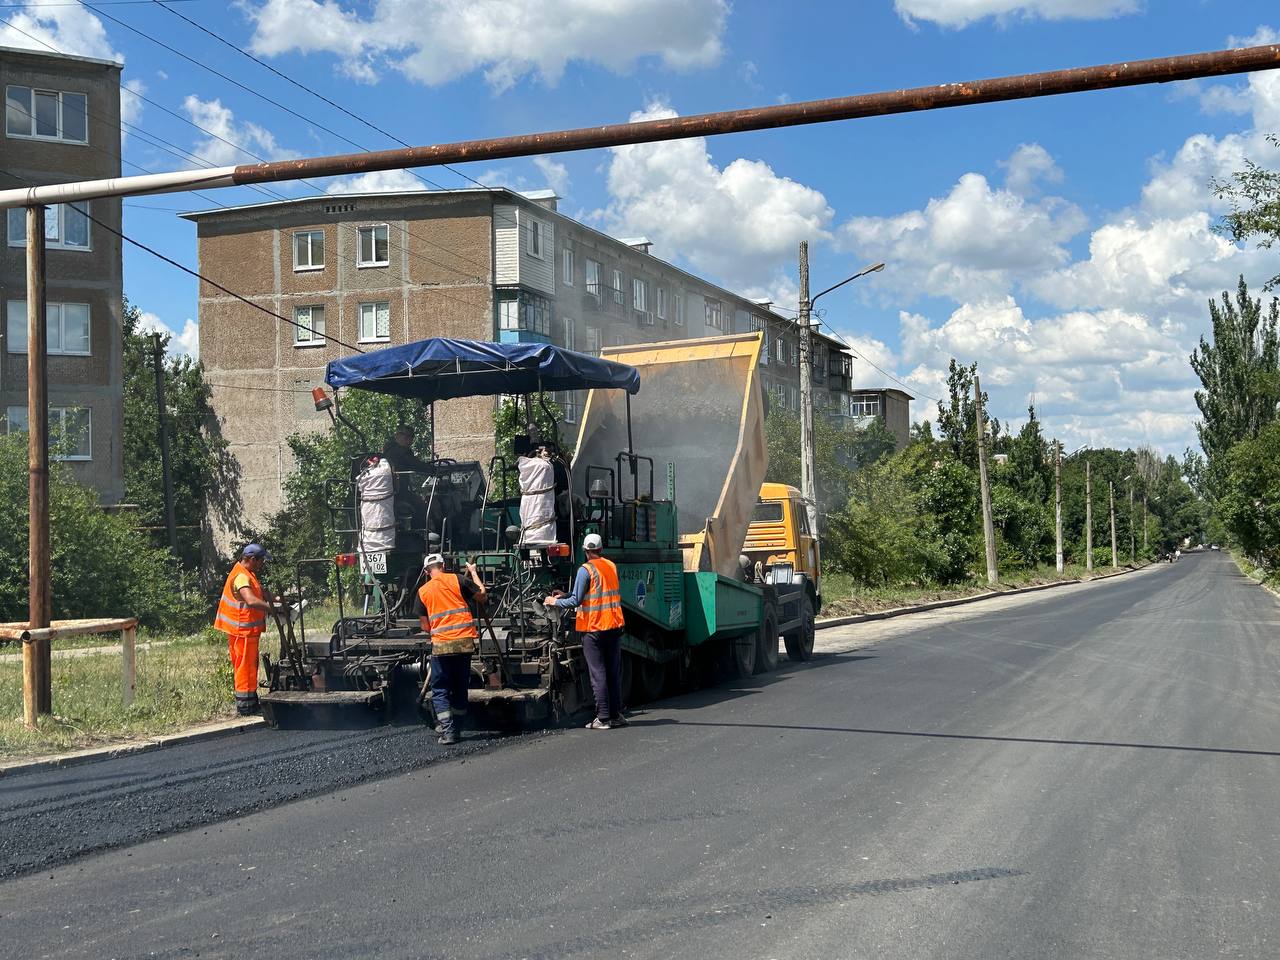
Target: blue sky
<point>1065,244</point>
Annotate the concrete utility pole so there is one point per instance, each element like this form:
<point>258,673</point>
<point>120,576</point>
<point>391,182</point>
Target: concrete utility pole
<point>162,419</point>
<point>808,485</point>
<point>37,684</point>
<point>1115,561</point>
<point>1144,523</point>
<point>1088,516</point>
<point>988,528</point>
<point>1133,534</point>
<point>1057,504</point>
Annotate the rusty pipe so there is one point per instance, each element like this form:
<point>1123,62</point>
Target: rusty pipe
<point>1018,87</point>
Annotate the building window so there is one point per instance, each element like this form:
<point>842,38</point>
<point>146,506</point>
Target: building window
<point>591,341</point>
<point>70,430</point>
<point>46,115</point>
<point>66,226</point>
<point>567,325</point>
<point>715,318</point>
<point>617,287</point>
<point>780,351</point>
<point>375,322</point>
<point>677,309</point>
<point>373,249</point>
<point>309,331</point>
<point>779,395</point>
<point>662,303</point>
<point>566,266</point>
<point>568,403</point>
<point>524,311</point>
<point>538,237</point>
<point>864,405</point>
<point>68,327</point>
<point>308,250</point>
<point>593,279</point>
<point>640,294</point>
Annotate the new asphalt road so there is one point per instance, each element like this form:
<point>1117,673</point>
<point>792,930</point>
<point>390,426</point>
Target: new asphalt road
<point>1088,772</point>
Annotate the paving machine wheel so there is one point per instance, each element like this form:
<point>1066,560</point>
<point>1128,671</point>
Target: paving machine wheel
<point>767,653</point>
<point>800,640</point>
<point>740,655</point>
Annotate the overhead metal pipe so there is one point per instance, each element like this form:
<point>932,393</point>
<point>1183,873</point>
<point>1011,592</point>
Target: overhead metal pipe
<point>1018,87</point>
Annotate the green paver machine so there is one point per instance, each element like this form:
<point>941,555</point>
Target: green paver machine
<point>690,605</point>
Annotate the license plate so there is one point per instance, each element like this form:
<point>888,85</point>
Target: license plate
<point>373,563</point>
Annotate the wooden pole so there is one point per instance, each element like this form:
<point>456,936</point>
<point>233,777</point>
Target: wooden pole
<point>1057,505</point>
<point>1088,516</point>
<point>1133,534</point>
<point>988,528</point>
<point>37,688</point>
<point>129,667</point>
<point>808,477</point>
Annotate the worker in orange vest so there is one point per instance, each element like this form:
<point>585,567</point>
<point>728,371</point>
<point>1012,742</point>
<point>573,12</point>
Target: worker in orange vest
<point>450,619</point>
<point>242,616</point>
<point>598,600</point>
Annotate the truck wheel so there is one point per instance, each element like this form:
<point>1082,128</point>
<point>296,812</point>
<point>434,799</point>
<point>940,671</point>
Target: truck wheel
<point>800,640</point>
<point>767,654</point>
<point>740,658</point>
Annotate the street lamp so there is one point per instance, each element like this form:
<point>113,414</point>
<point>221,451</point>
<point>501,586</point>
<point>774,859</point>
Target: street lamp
<point>808,471</point>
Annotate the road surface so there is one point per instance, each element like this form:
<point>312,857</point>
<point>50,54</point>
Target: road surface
<point>1089,772</point>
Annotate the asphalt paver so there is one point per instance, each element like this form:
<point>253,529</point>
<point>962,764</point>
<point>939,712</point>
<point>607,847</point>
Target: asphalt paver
<point>1092,774</point>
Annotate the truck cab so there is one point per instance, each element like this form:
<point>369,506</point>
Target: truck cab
<point>780,533</point>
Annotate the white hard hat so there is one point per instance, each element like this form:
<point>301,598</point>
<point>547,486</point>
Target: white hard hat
<point>592,541</point>
<point>433,559</point>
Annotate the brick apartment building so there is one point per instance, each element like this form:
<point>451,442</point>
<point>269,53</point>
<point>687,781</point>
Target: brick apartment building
<point>62,122</point>
<point>386,268</point>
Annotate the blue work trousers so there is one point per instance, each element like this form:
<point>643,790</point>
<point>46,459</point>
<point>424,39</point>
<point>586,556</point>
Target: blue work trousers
<point>450,677</point>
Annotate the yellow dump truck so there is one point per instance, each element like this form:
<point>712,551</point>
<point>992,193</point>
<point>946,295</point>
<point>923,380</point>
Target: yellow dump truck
<point>780,534</point>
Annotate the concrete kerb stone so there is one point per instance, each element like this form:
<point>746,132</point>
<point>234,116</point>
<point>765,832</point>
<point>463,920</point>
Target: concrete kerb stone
<point>211,731</point>
<point>960,601</point>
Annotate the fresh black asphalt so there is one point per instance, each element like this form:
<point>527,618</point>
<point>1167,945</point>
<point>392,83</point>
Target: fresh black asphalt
<point>1092,774</point>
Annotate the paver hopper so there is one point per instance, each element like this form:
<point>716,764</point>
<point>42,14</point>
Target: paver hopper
<point>700,407</point>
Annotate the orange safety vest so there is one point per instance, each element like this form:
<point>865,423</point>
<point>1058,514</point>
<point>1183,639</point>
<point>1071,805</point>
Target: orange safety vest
<point>235,617</point>
<point>453,628</point>
<point>601,608</point>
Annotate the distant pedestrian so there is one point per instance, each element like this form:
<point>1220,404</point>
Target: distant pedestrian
<point>597,598</point>
<point>242,616</point>
<point>451,622</point>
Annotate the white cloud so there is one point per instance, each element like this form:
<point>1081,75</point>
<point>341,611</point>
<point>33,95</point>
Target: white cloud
<point>557,174</point>
<point>436,41</point>
<point>68,29</point>
<point>741,223</point>
<point>1027,167</point>
<point>381,181</point>
<point>234,142</point>
<point>130,104</point>
<point>961,13</point>
<point>185,342</point>
<point>976,241</point>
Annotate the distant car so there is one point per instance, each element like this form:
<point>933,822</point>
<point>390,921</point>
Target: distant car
<point>1213,546</point>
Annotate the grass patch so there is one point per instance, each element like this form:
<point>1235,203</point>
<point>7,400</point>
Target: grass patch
<point>185,682</point>
<point>842,597</point>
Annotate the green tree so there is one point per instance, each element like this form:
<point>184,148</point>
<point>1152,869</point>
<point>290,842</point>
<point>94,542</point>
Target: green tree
<point>203,472</point>
<point>1249,504</point>
<point>1240,374</point>
<point>1254,195</point>
<point>949,496</point>
<point>832,458</point>
<point>102,564</point>
<point>870,444</point>
<point>957,418</point>
<point>1030,469</point>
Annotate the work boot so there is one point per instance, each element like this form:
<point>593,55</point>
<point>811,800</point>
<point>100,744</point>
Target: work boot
<point>449,737</point>
<point>619,721</point>
<point>248,707</point>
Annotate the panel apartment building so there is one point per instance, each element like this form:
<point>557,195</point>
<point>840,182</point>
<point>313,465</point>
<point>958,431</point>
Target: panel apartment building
<point>372,270</point>
<point>62,122</point>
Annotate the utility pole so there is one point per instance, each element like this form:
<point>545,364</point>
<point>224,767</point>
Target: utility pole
<point>1144,523</point>
<point>1133,534</point>
<point>162,419</point>
<point>808,484</point>
<point>1088,516</point>
<point>988,528</point>
<point>1115,561</point>
<point>37,685</point>
<point>1057,504</point>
